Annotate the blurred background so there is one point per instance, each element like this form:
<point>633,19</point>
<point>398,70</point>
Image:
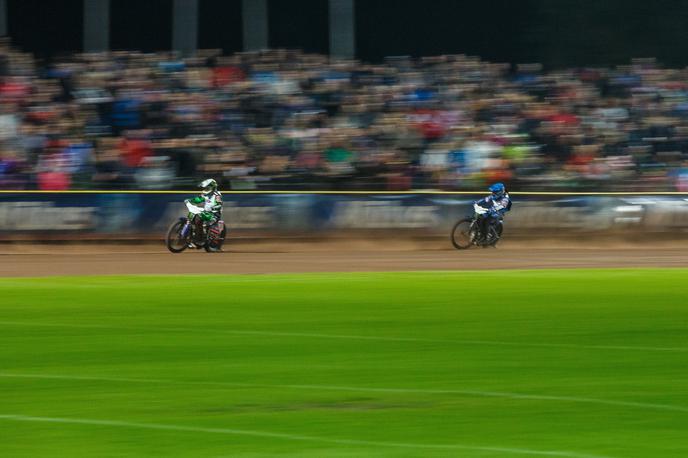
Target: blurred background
<point>344,95</point>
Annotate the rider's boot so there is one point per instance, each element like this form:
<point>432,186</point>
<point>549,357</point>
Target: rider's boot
<point>489,238</point>
<point>494,238</point>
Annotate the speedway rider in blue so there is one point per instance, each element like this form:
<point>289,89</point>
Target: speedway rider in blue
<point>497,203</point>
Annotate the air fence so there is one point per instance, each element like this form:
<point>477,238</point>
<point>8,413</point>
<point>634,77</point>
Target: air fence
<point>147,215</point>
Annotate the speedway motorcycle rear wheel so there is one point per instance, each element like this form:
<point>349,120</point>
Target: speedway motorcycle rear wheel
<point>215,246</point>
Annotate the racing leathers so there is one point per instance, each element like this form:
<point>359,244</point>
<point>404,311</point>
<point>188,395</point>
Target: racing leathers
<point>496,206</point>
<point>212,207</point>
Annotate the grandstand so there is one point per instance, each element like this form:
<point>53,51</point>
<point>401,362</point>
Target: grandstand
<point>342,293</point>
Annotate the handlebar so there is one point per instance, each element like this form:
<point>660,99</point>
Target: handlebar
<point>196,210</point>
<point>480,210</point>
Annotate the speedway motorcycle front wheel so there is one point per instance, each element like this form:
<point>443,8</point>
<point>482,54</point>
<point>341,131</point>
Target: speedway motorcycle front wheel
<point>175,241</point>
<point>462,234</point>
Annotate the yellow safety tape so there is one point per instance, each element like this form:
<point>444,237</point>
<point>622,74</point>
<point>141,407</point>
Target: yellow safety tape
<point>420,191</point>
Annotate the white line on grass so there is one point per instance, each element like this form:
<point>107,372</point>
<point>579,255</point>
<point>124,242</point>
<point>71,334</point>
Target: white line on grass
<point>294,437</point>
<point>310,387</point>
<point>348,337</point>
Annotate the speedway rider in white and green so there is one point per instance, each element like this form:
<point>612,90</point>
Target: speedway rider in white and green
<point>211,201</point>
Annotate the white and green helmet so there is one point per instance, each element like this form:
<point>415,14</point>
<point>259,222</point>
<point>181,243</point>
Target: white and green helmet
<point>208,186</point>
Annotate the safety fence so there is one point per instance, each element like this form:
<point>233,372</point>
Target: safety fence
<point>113,214</point>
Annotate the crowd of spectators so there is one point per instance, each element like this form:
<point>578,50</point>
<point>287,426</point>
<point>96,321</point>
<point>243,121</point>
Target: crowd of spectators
<point>282,119</point>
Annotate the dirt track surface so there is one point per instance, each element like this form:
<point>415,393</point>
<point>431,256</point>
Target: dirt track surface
<point>250,258</point>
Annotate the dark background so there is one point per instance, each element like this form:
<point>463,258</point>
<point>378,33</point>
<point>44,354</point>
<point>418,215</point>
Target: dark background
<point>219,25</point>
<point>305,26</point>
<point>44,26</point>
<point>555,32</point>
<point>140,24</point>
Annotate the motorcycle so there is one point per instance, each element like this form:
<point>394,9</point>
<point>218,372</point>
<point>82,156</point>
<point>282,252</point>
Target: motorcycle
<point>468,231</point>
<point>192,232</point>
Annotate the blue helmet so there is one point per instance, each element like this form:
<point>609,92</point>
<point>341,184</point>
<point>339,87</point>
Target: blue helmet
<point>497,189</point>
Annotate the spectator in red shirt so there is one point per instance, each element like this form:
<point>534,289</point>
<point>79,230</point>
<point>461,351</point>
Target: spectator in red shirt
<point>134,147</point>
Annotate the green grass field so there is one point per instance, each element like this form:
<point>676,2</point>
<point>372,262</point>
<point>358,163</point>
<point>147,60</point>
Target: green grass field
<point>577,363</point>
